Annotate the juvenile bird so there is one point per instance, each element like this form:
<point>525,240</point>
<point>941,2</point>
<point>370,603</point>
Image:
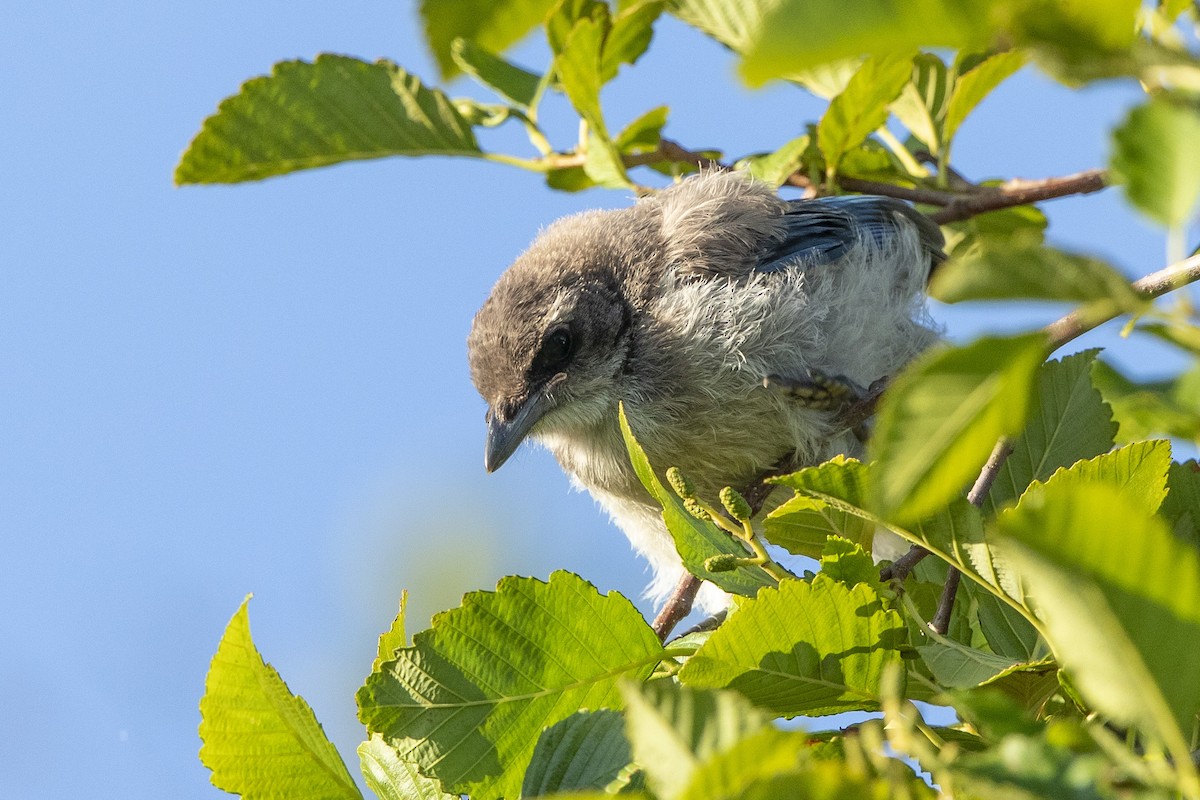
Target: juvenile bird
<point>680,306</point>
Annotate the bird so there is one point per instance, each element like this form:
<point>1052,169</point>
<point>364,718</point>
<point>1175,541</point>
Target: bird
<point>678,307</point>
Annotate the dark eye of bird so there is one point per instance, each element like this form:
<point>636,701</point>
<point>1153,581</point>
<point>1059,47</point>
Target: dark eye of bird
<point>556,350</point>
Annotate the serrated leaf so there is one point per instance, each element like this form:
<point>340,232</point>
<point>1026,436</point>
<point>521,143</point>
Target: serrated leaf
<point>972,86</point>
<point>1182,506</point>
<point>1007,632</point>
<point>468,701</point>
<point>643,134</point>
<point>695,541</point>
<point>833,31</point>
<point>862,107</point>
<point>260,740</point>
<point>803,523</point>
<point>1138,472</point>
<point>1119,597</point>
<point>942,417</point>
<point>674,729</point>
<point>1156,159</point>
<point>491,24</point>
<point>587,750</point>
<point>518,85</point>
<point>393,638</point>
<point>775,168</point>
<point>393,779</point>
<point>630,35</point>
<point>803,648</point>
<point>1069,421</point>
<point>1028,270</point>
<point>847,562</point>
<point>336,109</point>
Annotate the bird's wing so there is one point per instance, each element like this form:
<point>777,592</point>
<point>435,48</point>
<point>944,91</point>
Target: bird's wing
<point>821,230</point>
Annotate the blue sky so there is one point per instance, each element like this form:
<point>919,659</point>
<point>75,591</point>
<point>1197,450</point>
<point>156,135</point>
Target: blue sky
<point>263,388</point>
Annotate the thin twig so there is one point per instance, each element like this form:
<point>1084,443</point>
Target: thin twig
<point>941,620</point>
<point>678,605</point>
<point>1019,193</point>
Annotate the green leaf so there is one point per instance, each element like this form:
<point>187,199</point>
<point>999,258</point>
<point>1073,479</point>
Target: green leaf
<point>803,524</point>
<point>696,541</point>
<point>517,85</point>
<point>1069,421</point>
<point>260,740</point>
<point>632,29</point>
<point>1147,409</point>
<point>1182,506</point>
<point>587,750</point>
<point>1120,600</point>
<point>956,666</point>
<point>312,115</point>
<point>921,104</point>
<point>1137,471</point>
<point>393,779</point>
<point>973,86</point>
<point>833,31</point>
<point>731,24</point>
<point>763,756</point>
<point>848,563</point>
<point>393,638</point>
<point>775,168</point>
<point>578,68</point>
<point>491,24</point>
<point>862,107</point>
<point>1007,632</point>
<point>942,417</point>
<point>1029,768</point>
<point>643,134</point>
<point>1027,270</point>
<point>803,648</point>
<point>1156,159</point>
<point>674,729</point>
<point>468,701</point>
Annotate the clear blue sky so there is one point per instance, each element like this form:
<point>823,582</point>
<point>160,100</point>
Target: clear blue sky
<point>262,388</point>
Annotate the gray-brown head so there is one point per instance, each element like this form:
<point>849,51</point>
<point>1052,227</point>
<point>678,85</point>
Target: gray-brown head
<point>547,348</point>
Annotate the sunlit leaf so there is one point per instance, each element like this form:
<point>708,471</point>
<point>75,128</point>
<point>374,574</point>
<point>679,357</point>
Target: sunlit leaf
<point>942,417</point>
<point>393,638</point>
<point>491,24</point>
<point>336,109</point>
<point>803,648</point>
<point>644,133</point>
<point>775,168</point>
<point>390,778</point>
<point>587,750</point>
<point>260,740</point>
<point>1069,421</point>
<point>674,729</point>
<point>1137,471</point>
<point>1027,270</point>
<point>469,699</point>
<point>803,524</point>
<point>696,541</point>
<point>507,79</point>
<point>1156,159</point>
<point>632,29</point>
<point>862,107</point>
<point>1120,598</point>
<point>1163,408</point>
<point>921,106</point>
<point>973,86</point>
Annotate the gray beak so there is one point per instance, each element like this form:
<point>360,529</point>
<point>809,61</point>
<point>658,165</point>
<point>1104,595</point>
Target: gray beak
<point>504,436</point>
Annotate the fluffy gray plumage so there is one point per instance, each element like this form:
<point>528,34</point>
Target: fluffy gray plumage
<point>680,306</point>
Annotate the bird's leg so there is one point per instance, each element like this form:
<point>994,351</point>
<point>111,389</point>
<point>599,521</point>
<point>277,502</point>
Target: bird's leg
<point>818,390</point>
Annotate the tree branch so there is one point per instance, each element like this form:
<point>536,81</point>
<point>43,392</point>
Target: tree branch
<point>1020,192</point>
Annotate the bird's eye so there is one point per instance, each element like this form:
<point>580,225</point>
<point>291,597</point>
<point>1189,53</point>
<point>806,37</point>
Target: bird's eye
<point>556,350</point>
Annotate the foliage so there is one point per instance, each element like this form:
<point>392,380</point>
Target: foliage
<point>1072,656</point>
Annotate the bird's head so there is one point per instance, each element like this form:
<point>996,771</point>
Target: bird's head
<point>549,345</point>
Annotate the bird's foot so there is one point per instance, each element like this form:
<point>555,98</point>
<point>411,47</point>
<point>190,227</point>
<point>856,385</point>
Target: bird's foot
<point>819,391</point>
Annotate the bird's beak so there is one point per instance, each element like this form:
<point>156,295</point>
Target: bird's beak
<point>504,435</point>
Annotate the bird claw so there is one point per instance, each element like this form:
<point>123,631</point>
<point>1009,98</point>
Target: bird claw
<point>819,391</point>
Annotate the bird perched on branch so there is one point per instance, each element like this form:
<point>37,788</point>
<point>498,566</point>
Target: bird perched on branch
<point>680,306</point>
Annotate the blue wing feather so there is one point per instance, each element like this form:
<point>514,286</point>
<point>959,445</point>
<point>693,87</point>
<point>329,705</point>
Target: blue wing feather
<point>821,230</point>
